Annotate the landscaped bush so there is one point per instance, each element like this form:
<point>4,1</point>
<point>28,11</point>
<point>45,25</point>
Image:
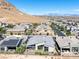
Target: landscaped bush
<point>41,53</point>
<point>20,49</point>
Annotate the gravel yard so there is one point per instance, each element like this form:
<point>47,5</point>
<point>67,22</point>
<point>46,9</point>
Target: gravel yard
<point>17,56</point>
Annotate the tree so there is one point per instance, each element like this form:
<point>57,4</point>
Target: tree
<point>61,28</point>
<point>29,32</point>
<point>68,33</point>
<point>2,30</point>
<point>10,26</point>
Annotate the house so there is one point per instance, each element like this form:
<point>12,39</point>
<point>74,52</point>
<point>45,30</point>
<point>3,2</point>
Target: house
<point>68,45</point>
<point>44,43</point>
<point>15,31</point>
<point>73,29</point>
<point>18,29</point>
<point>10,43</point>
<point>26,25</point>
<point>43,29</point>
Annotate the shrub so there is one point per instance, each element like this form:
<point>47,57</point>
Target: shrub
<point>20,49</point>
<point>41,53</point>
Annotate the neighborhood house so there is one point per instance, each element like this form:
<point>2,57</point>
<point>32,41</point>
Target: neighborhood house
<point>44,43</point>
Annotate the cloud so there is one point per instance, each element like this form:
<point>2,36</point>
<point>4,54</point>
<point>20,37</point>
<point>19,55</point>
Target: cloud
<point>76,10</point>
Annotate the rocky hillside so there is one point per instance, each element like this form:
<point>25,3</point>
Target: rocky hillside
<point>10,14</point>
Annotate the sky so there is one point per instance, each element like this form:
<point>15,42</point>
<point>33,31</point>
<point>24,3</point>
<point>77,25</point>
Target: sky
<point>42,7</point>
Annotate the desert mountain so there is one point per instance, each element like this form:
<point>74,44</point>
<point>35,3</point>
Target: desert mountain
<point>10,14</point>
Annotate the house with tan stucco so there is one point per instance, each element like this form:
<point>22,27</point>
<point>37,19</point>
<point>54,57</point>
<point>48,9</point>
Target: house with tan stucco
<point>43,29</point>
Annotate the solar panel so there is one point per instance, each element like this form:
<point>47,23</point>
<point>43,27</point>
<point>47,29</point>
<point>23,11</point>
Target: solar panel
<point>48,40</point>
<point>9,43</point>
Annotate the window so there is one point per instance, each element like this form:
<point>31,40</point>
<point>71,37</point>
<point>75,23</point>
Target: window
<point>31,47</point>
<point>2,49</point>
<point>45,48</point>
<point>74,49</point>
<point>40,47</point>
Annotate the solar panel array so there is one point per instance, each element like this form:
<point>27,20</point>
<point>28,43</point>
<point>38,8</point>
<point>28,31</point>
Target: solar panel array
<point>12,42</point>
<point>48,40</point>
